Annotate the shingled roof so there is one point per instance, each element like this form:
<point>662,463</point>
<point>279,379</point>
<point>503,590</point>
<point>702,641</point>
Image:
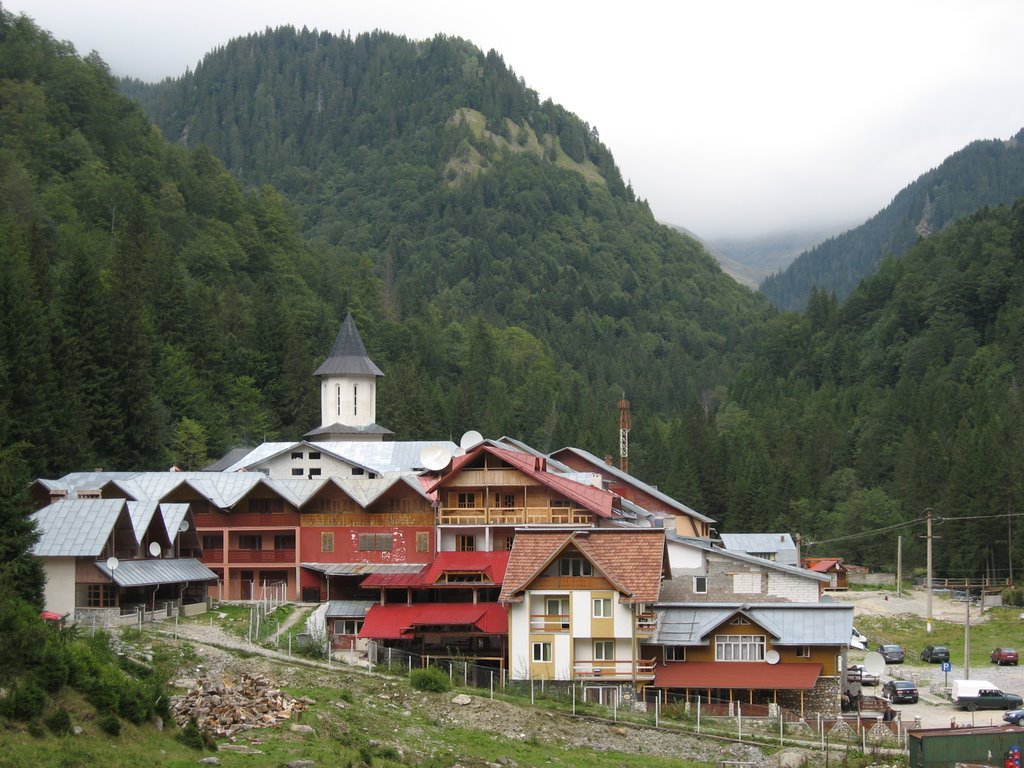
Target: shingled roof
<point>633,560</point>
<point>348,355</point>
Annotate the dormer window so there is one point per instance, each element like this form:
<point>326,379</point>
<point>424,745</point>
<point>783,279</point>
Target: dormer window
<point>574,565</point>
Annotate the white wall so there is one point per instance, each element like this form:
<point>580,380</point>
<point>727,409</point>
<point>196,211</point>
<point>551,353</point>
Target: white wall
<point>60,584</point>
<point>358,412</point>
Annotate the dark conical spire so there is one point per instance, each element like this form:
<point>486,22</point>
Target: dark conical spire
<point>348,355</point>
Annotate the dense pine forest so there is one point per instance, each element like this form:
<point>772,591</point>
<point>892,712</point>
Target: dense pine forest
<point>984,173</point>
<point>168,287</point>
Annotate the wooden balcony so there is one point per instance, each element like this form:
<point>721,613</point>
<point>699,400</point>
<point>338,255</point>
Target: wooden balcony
<point>261,556</point>
<point>646,623</point>
<point>619,669</point>
<point>213,555</point>
<point>514,516</point>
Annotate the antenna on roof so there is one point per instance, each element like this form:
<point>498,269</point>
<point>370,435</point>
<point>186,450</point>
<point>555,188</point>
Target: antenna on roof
<point>624,427</point>
<point>470,439</point>
<point>435,457</point>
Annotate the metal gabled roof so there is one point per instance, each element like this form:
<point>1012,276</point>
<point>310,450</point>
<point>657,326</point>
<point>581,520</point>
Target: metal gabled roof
<point>341,609</point>
<point>77,527</point>
<point>147,573</point>
<point>348,356</point>
<point>630,480</point>
<point>361,569</point>
<point>774,565</point>
<point>225,489</point>
<point>788,623</point>
<point>173,515</point>
<point>758,542</point>
<point>142,515</point>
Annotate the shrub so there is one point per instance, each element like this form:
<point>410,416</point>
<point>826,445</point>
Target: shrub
<point>25,700</point>
<point>1013,596</point>
<point>59,722</point>
<point>430,679</point>
<point>110,724</point>
<point>54,671</point>
<point>196,738</point>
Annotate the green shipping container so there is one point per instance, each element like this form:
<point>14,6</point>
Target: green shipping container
<point>945,747</point>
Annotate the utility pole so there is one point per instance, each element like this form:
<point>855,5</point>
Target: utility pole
<point>967,635</point>
<point>899,566</point>
<point>928,576</point>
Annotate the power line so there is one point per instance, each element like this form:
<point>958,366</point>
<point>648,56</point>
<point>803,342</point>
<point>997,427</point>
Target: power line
<point>864,534</point>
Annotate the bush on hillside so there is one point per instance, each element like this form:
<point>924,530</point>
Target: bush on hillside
<point>59,722</point>
<point>430,679</point>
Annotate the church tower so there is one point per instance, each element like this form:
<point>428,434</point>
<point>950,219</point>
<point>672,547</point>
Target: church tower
<point>348,391</point>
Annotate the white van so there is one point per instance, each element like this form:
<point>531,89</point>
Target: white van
<point>858,640</point>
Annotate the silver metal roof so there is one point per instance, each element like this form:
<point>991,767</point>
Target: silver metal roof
<point>142,515</point>
<point>77,527</point>
<point>628,478</point>
<point>337,609</point>
<point>361,569</point>
<point>788,623</point>
<point>173,515</point>
<point>707,545</point>
<point>143,573</point>
<point>758,542</point>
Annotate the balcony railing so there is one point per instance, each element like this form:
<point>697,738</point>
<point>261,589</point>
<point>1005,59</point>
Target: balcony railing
<point>213,555</point>
<point>261,555</point>
<point>618,669</point>
<point>646,623</point>
<point>514,516</point>
<point>549,622</point>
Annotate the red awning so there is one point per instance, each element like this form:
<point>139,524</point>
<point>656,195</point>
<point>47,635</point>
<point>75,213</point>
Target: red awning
<point>392,622</point>
<point>736,674</point>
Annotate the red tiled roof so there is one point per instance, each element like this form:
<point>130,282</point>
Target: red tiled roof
<point>631,559</point>
<point>491,564</point>
<point>597,500</point>
<point>736,674</point>
<point>393,622</point>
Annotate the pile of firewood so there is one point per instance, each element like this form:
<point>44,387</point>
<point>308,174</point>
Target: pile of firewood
<point>223,709</point>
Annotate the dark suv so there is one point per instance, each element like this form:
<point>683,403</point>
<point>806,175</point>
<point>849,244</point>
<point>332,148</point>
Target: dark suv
<point>933,653</point>
<point>893,654</point>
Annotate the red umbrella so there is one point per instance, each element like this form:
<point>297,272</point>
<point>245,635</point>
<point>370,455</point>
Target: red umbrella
<point>50,616</point>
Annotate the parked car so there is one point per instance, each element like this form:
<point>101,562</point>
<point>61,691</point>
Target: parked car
<point>855,673</point>
<point>893,654</point>
<point>1014,716</point>
<point>1002,656</point>
<point>900,691</point>
<point>933,653</point>
<point>858,640</point>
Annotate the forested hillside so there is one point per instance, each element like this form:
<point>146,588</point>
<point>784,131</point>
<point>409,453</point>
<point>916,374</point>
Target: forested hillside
<point>859,416</point>
<point>156,307</point>
<point>984,173</point>
<point>156,310</point>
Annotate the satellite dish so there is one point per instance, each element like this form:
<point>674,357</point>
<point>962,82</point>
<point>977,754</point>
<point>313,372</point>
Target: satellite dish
<point>772,657</point>
<point>874,663</point>
<point>112,563</point>
<point>827,599</point>
<point>183,526</point>
<point>435,457</point>
<point>470,439</point>
<point>154,548</point>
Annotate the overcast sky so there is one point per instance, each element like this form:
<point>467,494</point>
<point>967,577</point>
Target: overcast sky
<point>732,118</point>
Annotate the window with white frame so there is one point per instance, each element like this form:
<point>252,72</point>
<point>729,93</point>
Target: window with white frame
<point>574,565</point>
<point>347,626</point>
<point>602,607</point>
<point>739,647</point>
<point>700,585</point>
<point>542,651</point>
<point>604,650</point>
<point>675,653</point>
<point>803,652</point>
